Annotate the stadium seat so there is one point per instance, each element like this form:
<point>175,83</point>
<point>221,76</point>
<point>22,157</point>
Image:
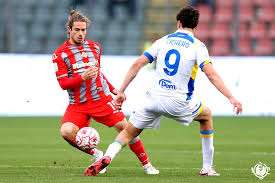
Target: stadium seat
<point>114,30</point>
<point>220,47</point>
<point>95,36</point>
<point>271,32</point>
<point>2,46</point>
<point>131,33</point>
<point>257,30</point>
<point>224,4</point>
<point>206,13</point>
<point>112,47</point>
<point>165,3</point>
<point>244,47</point>
<point>263,3</point>
<point>202,31</point>
<point>243,30</point>
<point>220,30</point>
<point>246,14</point>
<point>263,47</point>
<point>130,48</point>
<point>223,15</point>
<point>266,14</point>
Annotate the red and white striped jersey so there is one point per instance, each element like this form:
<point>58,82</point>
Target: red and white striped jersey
<point>70,62</point>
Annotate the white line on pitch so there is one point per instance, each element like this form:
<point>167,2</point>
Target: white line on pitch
<point>113,167</point>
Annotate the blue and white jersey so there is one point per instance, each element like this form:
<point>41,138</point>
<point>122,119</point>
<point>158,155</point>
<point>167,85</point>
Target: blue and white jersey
<point>178,57</point>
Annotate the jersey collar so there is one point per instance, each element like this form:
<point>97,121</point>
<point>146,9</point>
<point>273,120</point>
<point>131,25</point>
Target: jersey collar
<point>185,31</point>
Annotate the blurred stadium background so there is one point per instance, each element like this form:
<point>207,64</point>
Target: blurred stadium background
<point>234,27</point>
<point>31,148</point>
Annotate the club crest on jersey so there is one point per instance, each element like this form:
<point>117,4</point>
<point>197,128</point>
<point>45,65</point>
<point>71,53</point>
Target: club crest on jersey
<point>54,56</point>
<point>84,55</point>
<point>166,84</point>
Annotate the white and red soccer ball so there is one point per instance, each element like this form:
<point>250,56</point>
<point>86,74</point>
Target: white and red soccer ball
<point>87,138</point>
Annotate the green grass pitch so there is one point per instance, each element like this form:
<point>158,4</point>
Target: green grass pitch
<point>31,150</point>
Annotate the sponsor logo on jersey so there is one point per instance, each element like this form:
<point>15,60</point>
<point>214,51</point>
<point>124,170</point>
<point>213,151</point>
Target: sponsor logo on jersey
<point>81,65</point>
<point>166,84</point>
<point>84,55</point>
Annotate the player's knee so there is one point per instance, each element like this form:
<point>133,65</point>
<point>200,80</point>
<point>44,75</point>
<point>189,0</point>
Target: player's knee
<point>120,126</point>
<point>208,113</point>
<point>68,132</point>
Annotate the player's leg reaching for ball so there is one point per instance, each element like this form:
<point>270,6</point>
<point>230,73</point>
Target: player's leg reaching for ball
<point>68,131</point>
<point>137,147</point>
<point>207,132</point>
<point>127,135</point>
<point>122,140</point>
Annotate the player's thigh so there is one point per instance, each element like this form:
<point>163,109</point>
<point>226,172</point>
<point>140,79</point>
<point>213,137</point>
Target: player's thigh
<point>75,116</point>
<point>119,126</point>
<point>145,118</point>
<point>109,116</point>
<point>184,112</point>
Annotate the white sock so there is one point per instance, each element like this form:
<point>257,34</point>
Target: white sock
<point>113,149</point>
<point>207,148</point>
<point>97,152</point>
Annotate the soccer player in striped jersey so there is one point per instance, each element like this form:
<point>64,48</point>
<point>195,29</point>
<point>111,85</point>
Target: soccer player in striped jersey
<point>77,63</point>
<point>178,57</point>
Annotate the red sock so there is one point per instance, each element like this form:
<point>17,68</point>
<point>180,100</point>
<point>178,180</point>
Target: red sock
<point>138,149</point>
<point>90,151</point>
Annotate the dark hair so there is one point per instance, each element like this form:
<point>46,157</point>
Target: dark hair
<point>76,16</point>
<point>188,17</point>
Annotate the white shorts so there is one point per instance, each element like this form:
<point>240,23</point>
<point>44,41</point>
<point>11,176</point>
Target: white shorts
<point>153,107</point>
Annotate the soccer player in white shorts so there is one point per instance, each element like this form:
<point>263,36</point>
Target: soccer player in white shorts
<point>174,107</point>
<point>178,57</point>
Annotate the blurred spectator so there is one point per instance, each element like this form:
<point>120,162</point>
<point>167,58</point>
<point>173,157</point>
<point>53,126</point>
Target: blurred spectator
<point>210,3</point>
<point>129,4</point>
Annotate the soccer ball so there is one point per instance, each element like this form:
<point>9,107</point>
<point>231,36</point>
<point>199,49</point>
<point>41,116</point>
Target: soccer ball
<point>87,138</point>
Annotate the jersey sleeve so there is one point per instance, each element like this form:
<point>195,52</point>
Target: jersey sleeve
<point>59,65</point>
<point>111,87</point>
<point>62,74</point>
<point>152,52</point>
<point>202,56</point>
<point>98,49</point>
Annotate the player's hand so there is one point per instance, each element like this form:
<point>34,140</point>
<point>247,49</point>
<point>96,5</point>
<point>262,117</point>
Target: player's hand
<point>115,92</point>
<point>237,106</point>
<point>91,72</point>
<point>119,99</point>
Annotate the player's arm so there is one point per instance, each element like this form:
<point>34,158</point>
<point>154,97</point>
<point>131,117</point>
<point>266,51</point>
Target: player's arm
<point>111,87</point>
<point>217,81</point>
<point>66,82</point>
<point>148,57</point>
<point>132,72</point>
